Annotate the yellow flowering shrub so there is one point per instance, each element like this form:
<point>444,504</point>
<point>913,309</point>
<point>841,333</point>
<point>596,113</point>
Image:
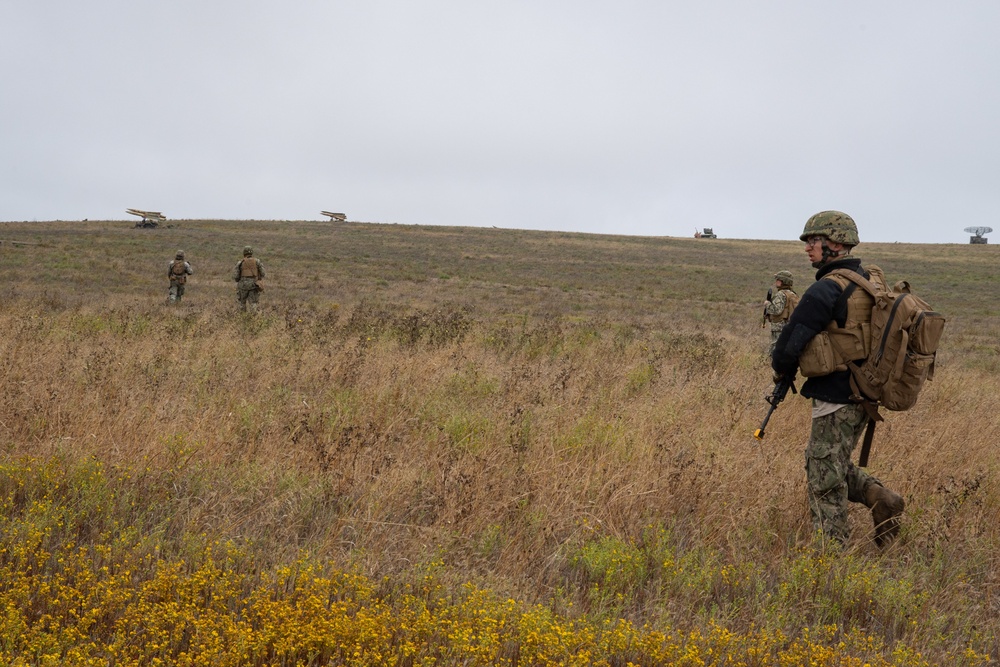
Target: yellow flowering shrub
<point>116,598</point>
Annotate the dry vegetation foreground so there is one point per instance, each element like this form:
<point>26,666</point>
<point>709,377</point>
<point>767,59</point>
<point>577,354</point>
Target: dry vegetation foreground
<point>464,446</point>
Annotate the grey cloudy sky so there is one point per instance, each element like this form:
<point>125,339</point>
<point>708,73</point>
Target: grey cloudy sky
<point>634,117</point>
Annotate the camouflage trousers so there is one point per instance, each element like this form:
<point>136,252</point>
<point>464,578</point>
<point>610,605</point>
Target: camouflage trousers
<point>776,328</point>
<point>833,480</point>
<point>247,294</point>
<point>176,292</point>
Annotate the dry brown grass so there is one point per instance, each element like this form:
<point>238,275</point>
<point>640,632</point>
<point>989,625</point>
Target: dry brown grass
<point>495,399</point>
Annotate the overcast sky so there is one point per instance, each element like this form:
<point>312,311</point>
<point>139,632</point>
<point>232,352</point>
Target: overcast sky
<point>635,117</point>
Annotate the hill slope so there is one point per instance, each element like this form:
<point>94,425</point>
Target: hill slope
<point>563,418</point>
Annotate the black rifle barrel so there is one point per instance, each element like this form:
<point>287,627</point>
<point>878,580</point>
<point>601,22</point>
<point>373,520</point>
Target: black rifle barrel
<point>777,396</point>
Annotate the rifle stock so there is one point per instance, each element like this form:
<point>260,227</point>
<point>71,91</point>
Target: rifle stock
<point>777,396</point>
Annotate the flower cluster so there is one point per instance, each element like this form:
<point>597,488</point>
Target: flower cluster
<point>71,597</point>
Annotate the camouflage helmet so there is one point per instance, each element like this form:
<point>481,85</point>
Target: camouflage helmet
<point>834,225</point>
<point>247,251</point>
<point>785,277</point>
<point>179,255</point>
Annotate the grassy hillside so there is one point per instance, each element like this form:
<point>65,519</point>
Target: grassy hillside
<point>538,443</point>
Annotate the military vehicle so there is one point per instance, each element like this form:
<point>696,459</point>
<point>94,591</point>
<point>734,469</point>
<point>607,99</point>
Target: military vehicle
<point>149,218</point>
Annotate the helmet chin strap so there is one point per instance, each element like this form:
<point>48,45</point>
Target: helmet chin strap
<point>827,255</point>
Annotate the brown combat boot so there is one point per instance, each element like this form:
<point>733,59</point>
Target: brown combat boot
<point>886,506</point>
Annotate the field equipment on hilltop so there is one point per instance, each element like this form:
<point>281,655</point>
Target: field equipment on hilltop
<point>978,234</point>
<point>707,233</point>
<point>777,396</point>
<point>763,318</point>
<point>894,356</point>
<point>339,217</point>
<point>149,218</point>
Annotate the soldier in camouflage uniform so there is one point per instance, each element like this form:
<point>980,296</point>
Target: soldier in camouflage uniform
<point>780,306</point>
<point>838,417</point>
<point>248,274</point>
<point>177,271</point>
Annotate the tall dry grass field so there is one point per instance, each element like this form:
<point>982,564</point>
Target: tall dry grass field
<point>465,446</point>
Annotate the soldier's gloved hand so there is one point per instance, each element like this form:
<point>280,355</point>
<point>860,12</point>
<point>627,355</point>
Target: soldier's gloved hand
<point>778,377</point>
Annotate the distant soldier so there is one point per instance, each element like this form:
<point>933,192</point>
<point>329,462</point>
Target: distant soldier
<point>177,272</point>
<point>248,274</point>
<point>779,306</point>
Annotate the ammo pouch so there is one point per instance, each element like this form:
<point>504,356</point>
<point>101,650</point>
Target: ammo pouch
<point>818,357</point>
<point>831,349</point>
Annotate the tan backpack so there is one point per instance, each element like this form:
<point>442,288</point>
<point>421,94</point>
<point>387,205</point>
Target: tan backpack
<point>905,331</point>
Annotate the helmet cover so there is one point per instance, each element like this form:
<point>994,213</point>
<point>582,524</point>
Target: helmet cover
<point>785,277</point>
<point>834,225</point>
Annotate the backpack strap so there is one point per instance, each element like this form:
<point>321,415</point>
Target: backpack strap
<point>855,278</point>
<point>840,306</point>
<point>870,407</point>
<point>866,446</point>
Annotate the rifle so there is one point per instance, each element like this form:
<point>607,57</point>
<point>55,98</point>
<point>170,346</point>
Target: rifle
<point>777,396</point>
<point>763,317</point>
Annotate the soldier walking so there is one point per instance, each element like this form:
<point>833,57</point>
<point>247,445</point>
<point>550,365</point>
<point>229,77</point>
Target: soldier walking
<point>248,274</point>
<point>177,272</point>
<point>842,314</point>
<point>779,307</point>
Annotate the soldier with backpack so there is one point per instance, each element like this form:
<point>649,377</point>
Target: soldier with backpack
<point>178,271</point>
<point>248,274</point>
<point>779,305</point>
<point>828,330</point>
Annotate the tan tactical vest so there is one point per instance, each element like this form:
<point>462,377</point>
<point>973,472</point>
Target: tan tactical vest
<point>248,268</point>
<point>791,300</point>
<point>832,348</point>
<point>178,272</point>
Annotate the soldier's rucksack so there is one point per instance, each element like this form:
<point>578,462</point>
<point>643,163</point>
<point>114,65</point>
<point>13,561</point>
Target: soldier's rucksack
<point>905,332</point>
<point>904,336</point>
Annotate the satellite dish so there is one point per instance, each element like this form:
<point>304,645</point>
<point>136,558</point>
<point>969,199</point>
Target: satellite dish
<point>977,237</point>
